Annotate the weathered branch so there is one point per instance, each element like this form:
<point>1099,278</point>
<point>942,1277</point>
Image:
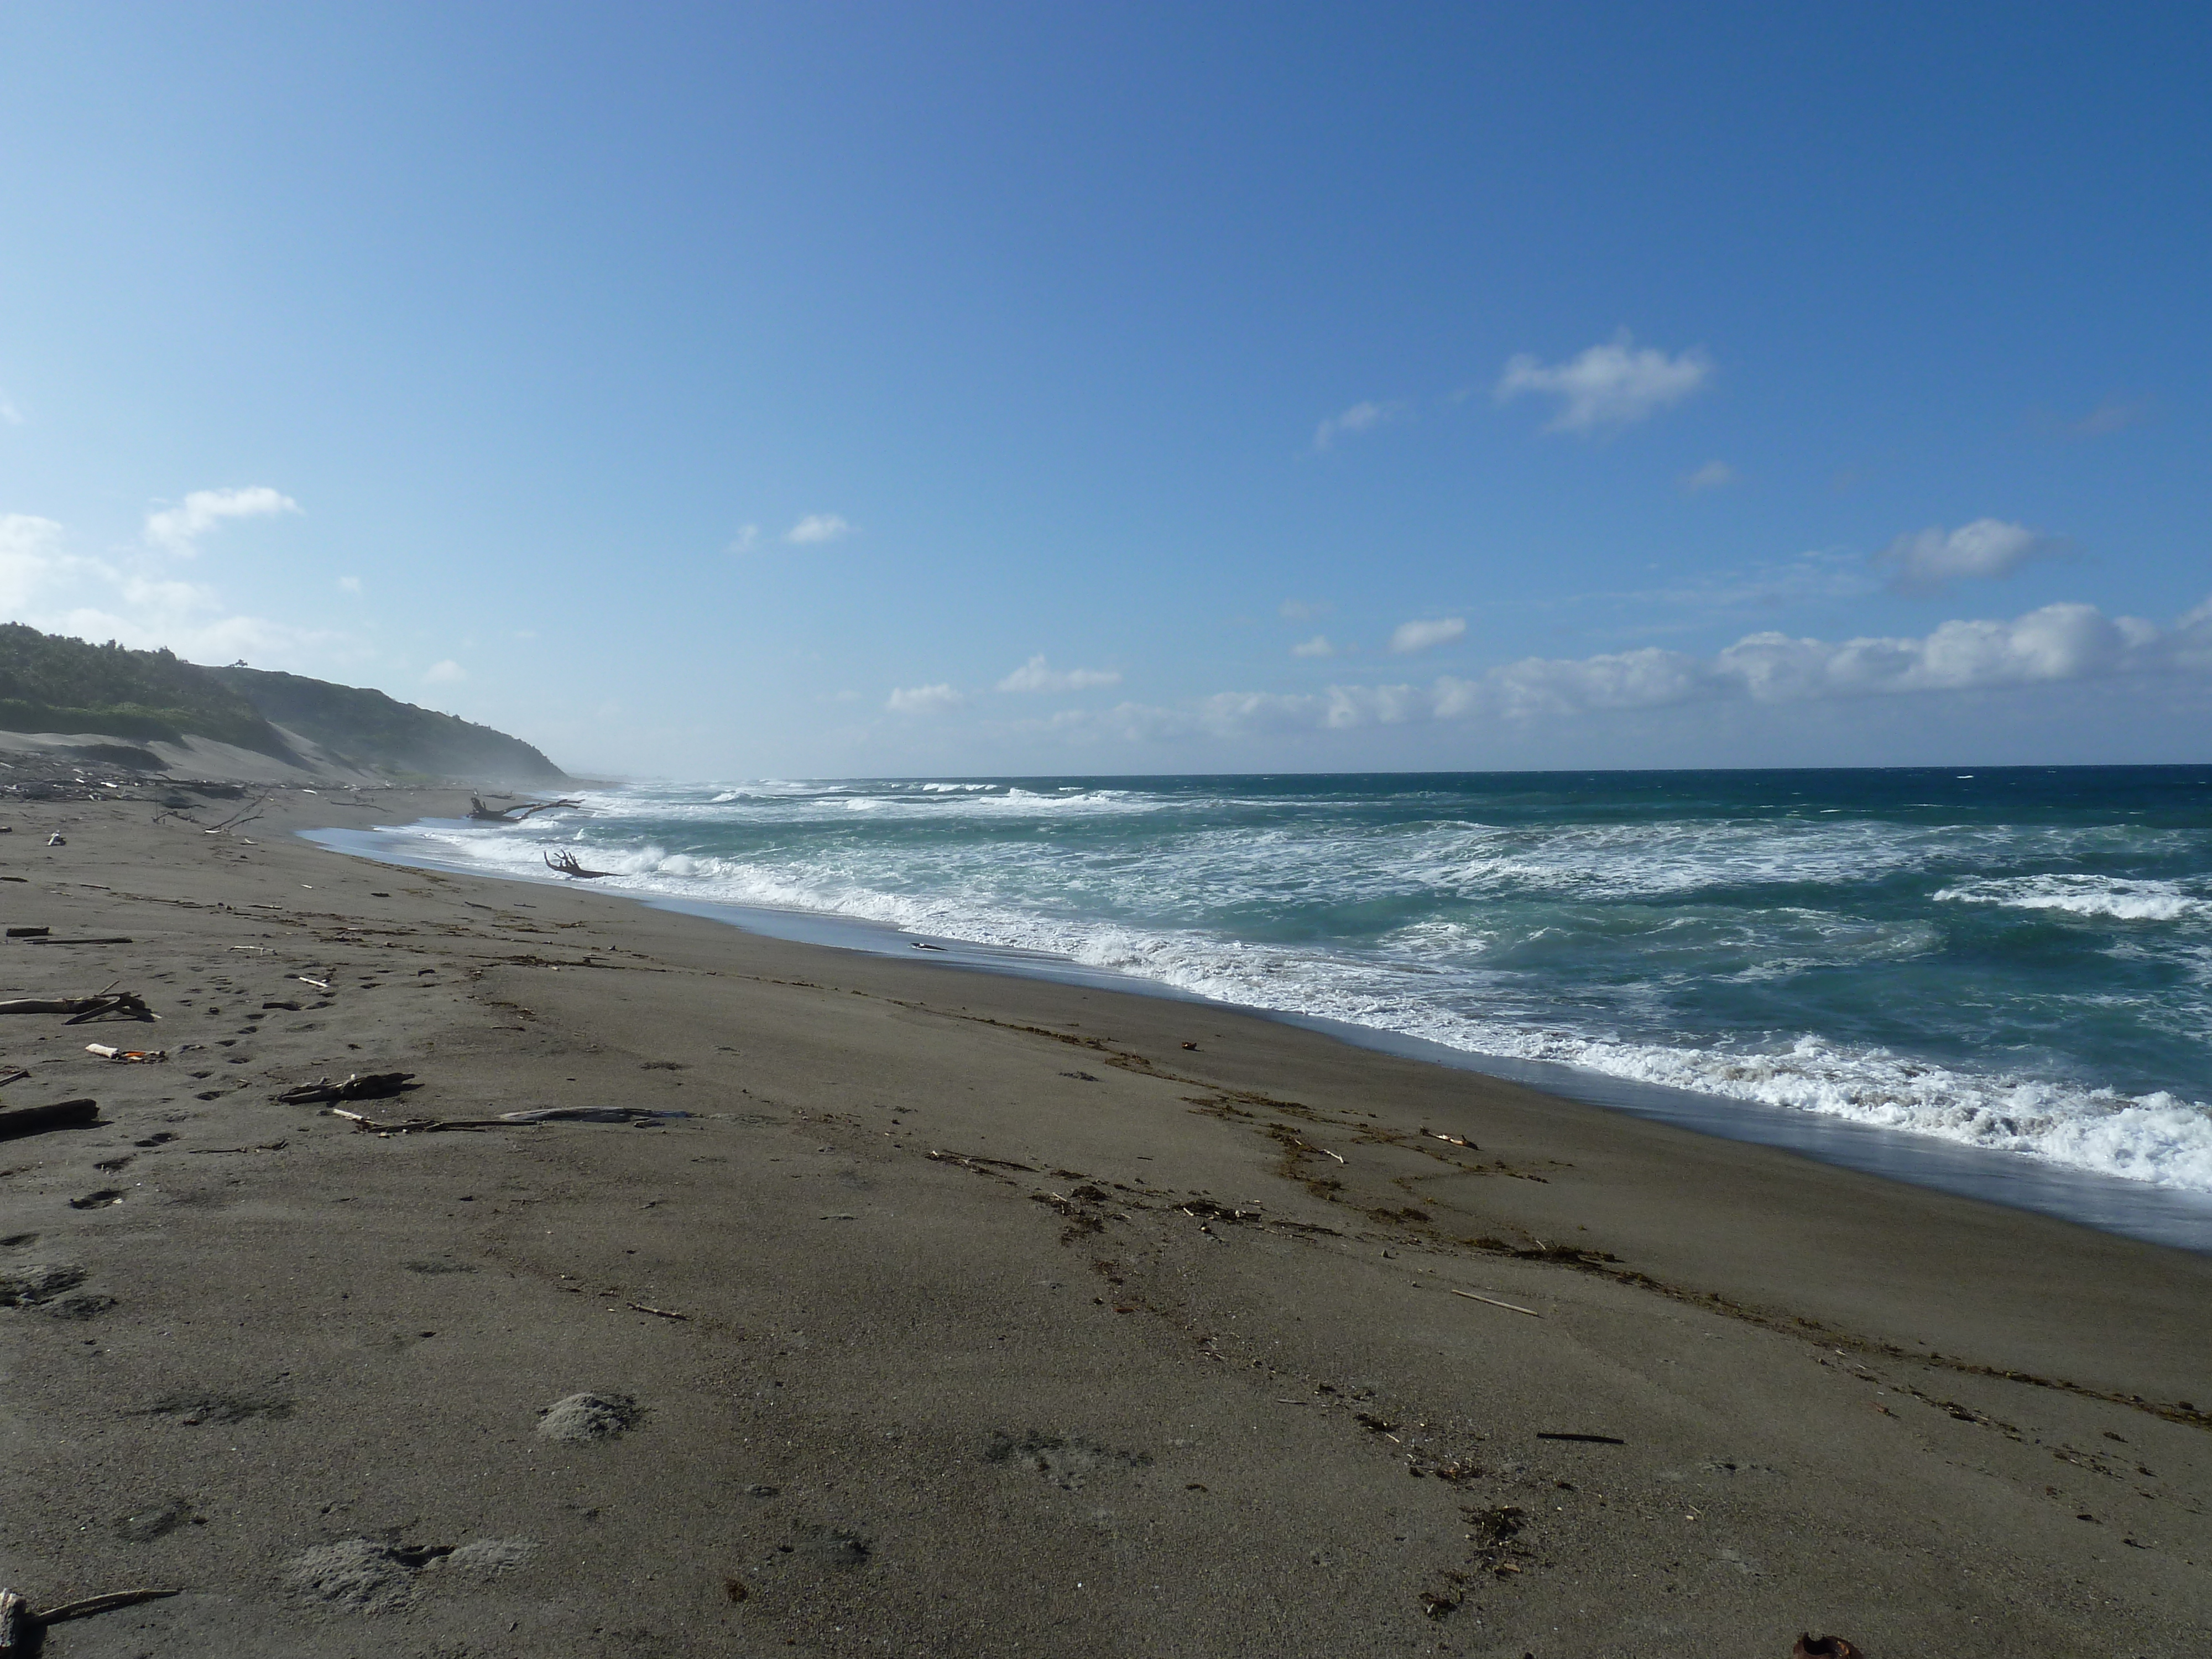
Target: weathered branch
<point>244,815</point>
<point>516,813</point>
<point>377,1085</point>
<point>636,1116</point>
<point>20,1621</point>
<point>126,1004</point>
<point>565,863</point>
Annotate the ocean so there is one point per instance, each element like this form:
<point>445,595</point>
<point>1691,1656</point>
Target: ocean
<point>2017,960</point>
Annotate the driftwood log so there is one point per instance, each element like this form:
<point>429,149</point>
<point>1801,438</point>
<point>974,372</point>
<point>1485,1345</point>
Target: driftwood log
<point>564,863</point>
<point>516,813</point>
<point>634,1115</point>
<point>238,820</point>
<point>121,1005</point>
<point>20,1623</point>
<point>377,1085</point>
<point>30,1119</point>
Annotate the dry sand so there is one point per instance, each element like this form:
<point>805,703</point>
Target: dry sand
<point>971,1314</point>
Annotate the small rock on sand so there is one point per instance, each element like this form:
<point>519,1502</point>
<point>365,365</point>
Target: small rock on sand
<point>584,1417</point>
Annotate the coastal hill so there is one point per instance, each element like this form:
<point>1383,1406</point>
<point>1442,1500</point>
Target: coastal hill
<point>370,728</point>
<point>152,711</point>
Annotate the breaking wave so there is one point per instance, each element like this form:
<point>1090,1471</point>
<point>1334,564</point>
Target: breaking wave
<point>1857,960</point>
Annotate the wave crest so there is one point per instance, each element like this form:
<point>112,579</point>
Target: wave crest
<point>2111,896</point>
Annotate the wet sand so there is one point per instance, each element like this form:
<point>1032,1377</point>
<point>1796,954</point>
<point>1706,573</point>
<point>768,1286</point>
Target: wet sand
<point>976,1314</point>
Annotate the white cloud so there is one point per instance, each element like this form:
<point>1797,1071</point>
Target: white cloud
<point>1360,417</point>
<point>30,558</point>
<point>2056,644</point>
<point>746,536</point>
<point>1034,676</point>
<point>447,672</point>
<point>1420,635</point>
<point>348,584</point>
<point>203,638</point>
<point>178,529</point>
<point>1610,384</point>
<point>9,412</point>
<point>817,527</point>
<point>46,585</point>
<point>1318,645</point>
<point>1713,475</point>
<point>1933,559</point>
<point>924,700</point>
<point>1303,609</point>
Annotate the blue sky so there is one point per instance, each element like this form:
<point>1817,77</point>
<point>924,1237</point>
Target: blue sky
<point>819,389</point>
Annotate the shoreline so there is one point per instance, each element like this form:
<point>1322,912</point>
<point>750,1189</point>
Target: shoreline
<point>2176,1218</point>
<point>965,1313</point>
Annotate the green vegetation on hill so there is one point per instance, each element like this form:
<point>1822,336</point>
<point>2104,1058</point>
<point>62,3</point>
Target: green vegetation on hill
<point>50,683</point>
<point>370,729</point>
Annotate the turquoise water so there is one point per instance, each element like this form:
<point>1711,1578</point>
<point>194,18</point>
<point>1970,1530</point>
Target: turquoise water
<point>2016,958</point>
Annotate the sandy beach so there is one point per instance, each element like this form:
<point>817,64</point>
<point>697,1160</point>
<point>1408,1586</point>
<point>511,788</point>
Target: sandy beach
<point>963,1314</point>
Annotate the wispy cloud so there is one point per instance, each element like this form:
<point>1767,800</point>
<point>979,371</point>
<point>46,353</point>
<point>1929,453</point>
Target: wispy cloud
<point>1768,585</point>
<point>747,536</point>
<point>1360,417</point>
<point>1422,636</point>
<point>178,529</point>
<point>818,527</point>
<point>1035,675</point>
<point>1318,645</point>
<point>2056,644</point>
<point>447,672</point>
<point>1303,609</point>
<point>2109,417</point>
<point>9,414</point>
<point>1612,385</point>
<point>348,584</point>
<point>44,583</point>
<point>2114,415</point>
<point>32,559</point>
<point>1713,475</point>
<point>923,700</point>
<point>1930,561</point>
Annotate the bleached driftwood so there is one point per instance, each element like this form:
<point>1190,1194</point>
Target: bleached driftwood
<point>20,1623</point>
<point>377,1085</point>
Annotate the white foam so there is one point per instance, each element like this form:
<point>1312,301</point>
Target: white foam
<point>2086,896</point>
<point>1152,909</point>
